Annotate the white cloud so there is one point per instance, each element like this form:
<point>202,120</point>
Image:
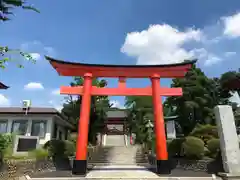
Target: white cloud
<point>59,108</point>
<point>49,51</point>
<point>199,53</point>
<point>228,54</point>
<point>206,57</point>
<point>36,48</point>
<point>35,56</point>
<point>165,44</point>
<point>160,44</point>
<point>75,97</point>
<point>56,105</point>
<point>56,92</point>
<point>4,101</point>
<point>232,25</point>
<point>212,59</point>
<point>33,86</point>
<point>116,104</point>
<point>28,45</point>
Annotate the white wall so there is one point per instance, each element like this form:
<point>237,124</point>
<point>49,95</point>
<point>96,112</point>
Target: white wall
<point>61,124</point>
<point>30,118</point>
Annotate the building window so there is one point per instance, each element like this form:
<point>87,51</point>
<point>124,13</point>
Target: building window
<point>3,126</point>
<point>20,127</point>
<point>39,128</point>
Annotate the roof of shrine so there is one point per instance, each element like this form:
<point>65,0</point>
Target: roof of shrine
<point>3,86</point>
<point>66,68</point>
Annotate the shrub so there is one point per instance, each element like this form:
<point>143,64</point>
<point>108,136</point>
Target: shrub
<point>205,132</point>
<point>39,153</point>
<point>70,148</point>
<point>8,152</point>
<point>213,146</point>
<point>73,137</point>
<point>206,151</point>
<point>5,141</point>
<point>175,147</point>
<point>60,148</point>
<point>55,147</point>
<point>193,147</point>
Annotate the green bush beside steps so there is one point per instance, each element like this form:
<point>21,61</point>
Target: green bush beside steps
<point>202,142</point>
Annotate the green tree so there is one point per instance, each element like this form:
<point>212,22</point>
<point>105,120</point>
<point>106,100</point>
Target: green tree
<point>140,114</point>
<point>200,95</point>
<point>99,107</point>
<point>6,11</point>
<point>230,81</point>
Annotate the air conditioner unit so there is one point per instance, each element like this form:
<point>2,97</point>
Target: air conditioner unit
<point>26,104</point>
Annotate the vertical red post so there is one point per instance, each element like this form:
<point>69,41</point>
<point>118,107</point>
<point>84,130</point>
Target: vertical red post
<point>80,164</point>
<point>122,82</point>
<point>161,144</point>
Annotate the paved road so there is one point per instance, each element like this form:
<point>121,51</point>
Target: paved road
<point>123,172</point>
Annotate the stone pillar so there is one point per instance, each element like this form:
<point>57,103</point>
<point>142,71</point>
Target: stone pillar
<point>99,138</point>
<point>126,139</point>
<point>171,131</point>
<point>228,139</point>
<point>104,139</point>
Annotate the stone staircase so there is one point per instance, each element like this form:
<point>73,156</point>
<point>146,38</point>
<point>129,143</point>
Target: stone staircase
<point>117,155</point>
<point>115,140</point>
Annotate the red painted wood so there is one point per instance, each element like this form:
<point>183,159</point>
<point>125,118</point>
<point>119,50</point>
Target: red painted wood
<point>129,73</point>
<point>79,69</point>
<point>122,82</point>
<point>78,90</point>
<point>82,139</point>
<point>161,143</point>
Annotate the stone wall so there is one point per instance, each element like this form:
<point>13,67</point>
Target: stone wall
<point>17,168</point>
<point>10,169</point>
<point>210,166</point>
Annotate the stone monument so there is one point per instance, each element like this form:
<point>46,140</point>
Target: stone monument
<point>229,143</point>
<point>171,130</point>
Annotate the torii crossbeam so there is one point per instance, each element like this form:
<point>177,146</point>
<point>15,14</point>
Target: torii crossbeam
<point>78,90</point>
<point>153,72</point>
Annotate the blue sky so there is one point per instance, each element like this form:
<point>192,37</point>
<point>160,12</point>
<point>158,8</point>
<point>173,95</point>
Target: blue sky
<point>117,32</point>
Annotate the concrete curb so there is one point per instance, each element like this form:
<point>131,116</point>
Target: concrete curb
<point>163,178</point>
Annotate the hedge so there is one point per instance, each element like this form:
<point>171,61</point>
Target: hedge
<point>193,147</point>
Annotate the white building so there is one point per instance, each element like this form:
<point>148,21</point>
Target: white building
<point>47,123</point>
<point>235,98</point>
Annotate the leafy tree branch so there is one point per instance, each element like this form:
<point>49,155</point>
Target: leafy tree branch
<point>6,11</point>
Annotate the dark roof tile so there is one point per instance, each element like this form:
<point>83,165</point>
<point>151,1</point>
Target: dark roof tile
<point>32,110</point>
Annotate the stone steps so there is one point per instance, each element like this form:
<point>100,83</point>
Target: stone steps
<point>119,155</point>
<point>115,140</point>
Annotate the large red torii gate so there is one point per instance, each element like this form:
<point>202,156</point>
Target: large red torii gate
<point>88,71</point>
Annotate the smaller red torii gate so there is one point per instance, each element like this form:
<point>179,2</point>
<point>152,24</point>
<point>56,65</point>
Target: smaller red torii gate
<point>88,71</point>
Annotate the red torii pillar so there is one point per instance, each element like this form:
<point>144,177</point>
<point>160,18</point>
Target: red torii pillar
<point>154,72</point>
<point>82,138</point>
<point>163,166</point>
